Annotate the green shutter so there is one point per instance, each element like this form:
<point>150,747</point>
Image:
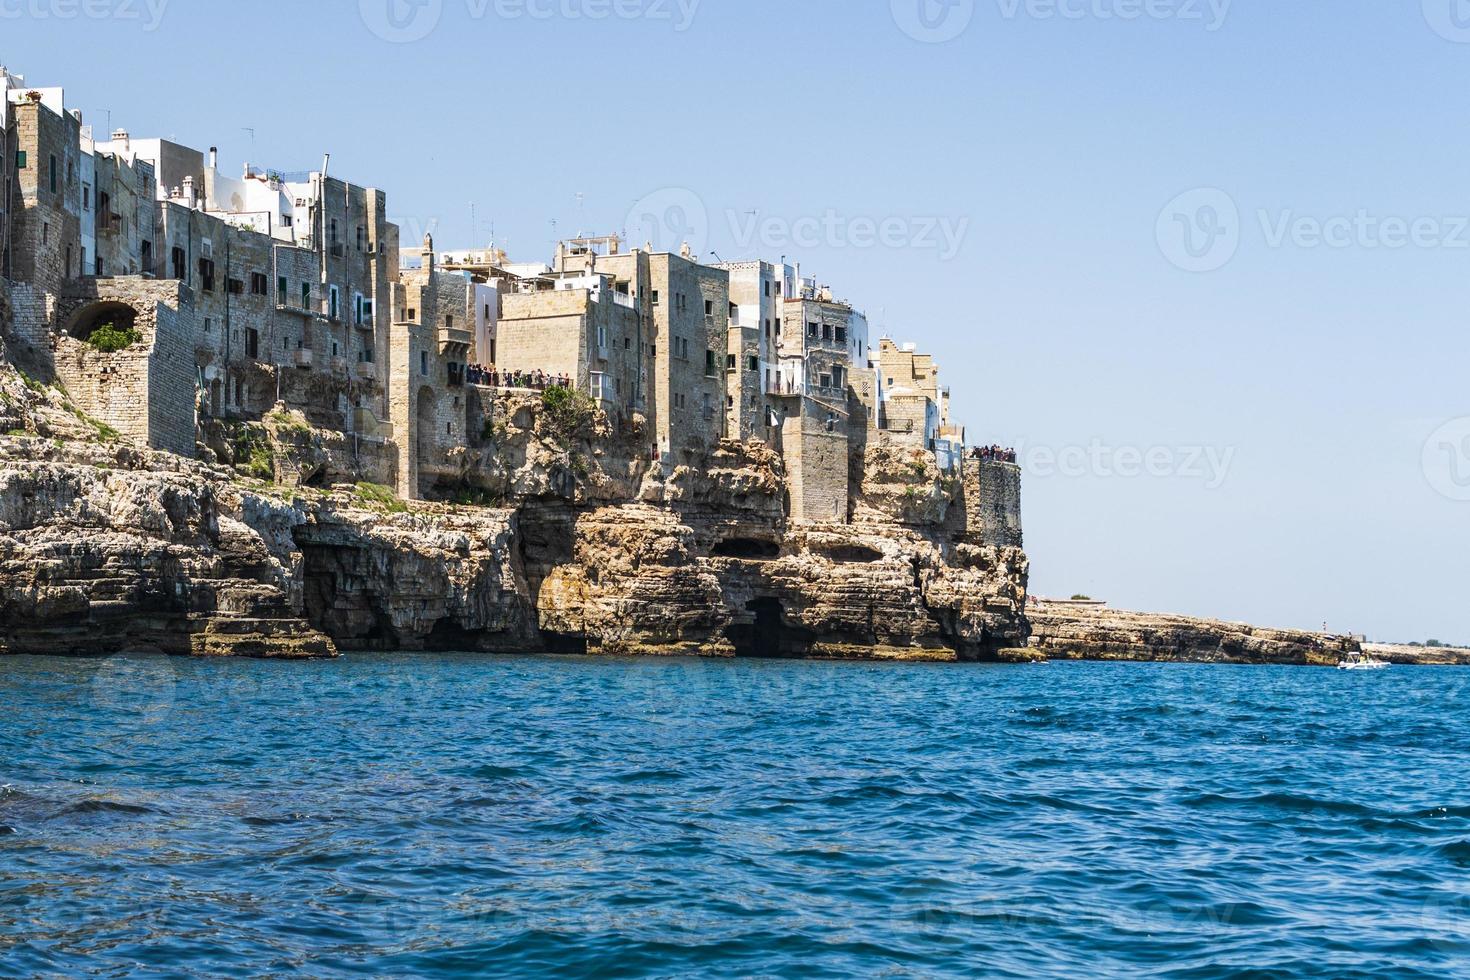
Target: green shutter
<point>20,159</point>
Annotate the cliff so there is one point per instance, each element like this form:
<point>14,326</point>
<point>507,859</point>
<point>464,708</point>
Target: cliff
<point>558,537</point>
<point>1070,632</point>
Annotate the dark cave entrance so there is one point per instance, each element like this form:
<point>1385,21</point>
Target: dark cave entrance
<point>764,632</point>
<point>748,549</point>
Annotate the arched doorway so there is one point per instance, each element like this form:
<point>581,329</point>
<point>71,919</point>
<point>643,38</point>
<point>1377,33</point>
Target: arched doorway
<point>118,316</point>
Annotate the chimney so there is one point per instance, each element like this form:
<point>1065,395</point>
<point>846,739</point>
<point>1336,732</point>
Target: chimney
<point>428,253</point>
<point>120,137</point>
<point>214,158</point>
<point>189,191</point>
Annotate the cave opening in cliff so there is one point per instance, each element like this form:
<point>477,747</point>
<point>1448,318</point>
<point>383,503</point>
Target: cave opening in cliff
<point>749,549</point>
<point>764,631</point>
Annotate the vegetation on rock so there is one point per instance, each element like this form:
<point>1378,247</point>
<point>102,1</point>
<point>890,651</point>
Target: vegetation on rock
<point>109,339</point>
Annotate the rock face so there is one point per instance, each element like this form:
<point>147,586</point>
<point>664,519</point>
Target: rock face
<point>561,538</point>
<point>1068,632</point>
<point>1409,656</point>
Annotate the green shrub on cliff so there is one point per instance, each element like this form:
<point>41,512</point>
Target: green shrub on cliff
<point>567,411</point>
<point>378,495</point>
<point>109,339</point>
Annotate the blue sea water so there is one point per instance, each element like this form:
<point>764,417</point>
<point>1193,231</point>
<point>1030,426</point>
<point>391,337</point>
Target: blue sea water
<point>453,816</point>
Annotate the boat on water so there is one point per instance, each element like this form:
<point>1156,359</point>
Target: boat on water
<point>1362,661</point>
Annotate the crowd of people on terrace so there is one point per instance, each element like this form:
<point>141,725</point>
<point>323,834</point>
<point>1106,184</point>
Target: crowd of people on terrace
<point>488,377</point>
<point>994,454</point>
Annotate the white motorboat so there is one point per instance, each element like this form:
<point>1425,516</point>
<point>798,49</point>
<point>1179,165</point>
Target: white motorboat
<point>1361,661</point>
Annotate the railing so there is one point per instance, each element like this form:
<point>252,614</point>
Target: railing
<point>623,299</point>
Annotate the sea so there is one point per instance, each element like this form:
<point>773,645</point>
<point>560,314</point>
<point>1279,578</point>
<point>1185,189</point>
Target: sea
<point>455,815</point>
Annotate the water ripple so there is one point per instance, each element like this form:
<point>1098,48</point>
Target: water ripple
<point>450,816</point>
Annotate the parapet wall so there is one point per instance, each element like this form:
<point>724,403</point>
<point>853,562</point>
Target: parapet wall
<point>993,503</point>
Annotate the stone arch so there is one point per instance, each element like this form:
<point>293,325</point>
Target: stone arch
<point>90,318</point>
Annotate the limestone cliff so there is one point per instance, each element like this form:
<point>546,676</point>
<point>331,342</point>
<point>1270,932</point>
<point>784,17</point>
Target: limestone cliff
<point>1071,632</point>
<point>554,535</point>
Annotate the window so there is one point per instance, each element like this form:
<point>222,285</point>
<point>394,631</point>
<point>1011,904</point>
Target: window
<point>20,159</point>
<point>104,210</point>
<point>449,321</point>
<point>359,238</point>
<point>306,295</point>
<point>711,364</point>
<point>252,342</point>
<point>145,256</point>
<point>655,292</point>
<point>281,290</point>
<point>208,325</point>
<point>180,264</point>
<point>709,307</point>
<point>627,343</point>
<point>98,264</point>
<point>413,314</point>
<point>813,330</point>
<point>826,331</point>
<point>754,364</point>
<point>86,197</point>
<point>45,233</point>
<point>53,174</point>
<point>424,363</point>
<point>258,284</point>
<point>206,275</point>
<point>334,303</point>
<point>235,286</point>
<point>778,326</point>
<point>730,361</point>
<point>842,335</point>
<point>768,287</point>
<point>68,262</point>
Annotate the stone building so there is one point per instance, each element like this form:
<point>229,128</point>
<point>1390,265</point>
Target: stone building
<point>582,328</point>
<point>758,292</point>
<point>685,311</point>
<point>914,407</point>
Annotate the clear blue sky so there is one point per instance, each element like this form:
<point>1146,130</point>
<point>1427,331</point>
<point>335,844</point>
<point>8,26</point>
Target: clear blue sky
<point>1055,141</point>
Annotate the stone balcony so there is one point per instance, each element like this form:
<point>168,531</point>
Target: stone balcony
<point>367,371</point>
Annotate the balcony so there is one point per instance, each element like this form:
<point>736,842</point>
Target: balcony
<point>301,358</point>
<point>623,299</point>
<point>339,366</point>
<point>367,371</point>
<point>449,336</point>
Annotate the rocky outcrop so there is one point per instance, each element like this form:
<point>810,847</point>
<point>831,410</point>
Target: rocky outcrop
<point>1417,656</point>
<point>1075,632</point>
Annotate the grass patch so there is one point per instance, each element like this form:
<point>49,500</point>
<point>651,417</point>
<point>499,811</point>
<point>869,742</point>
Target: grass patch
<point>109,339</point>
<point>15,433</point>
<point>381,496</point>
<point>290,423</point>
<point>261,464</point>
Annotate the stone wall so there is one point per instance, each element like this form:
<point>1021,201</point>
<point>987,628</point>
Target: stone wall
<point>146,392</point>
<point>993,503</point>
<point>817,465</point>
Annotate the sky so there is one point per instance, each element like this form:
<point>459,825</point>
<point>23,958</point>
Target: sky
<point>1202,262</point>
